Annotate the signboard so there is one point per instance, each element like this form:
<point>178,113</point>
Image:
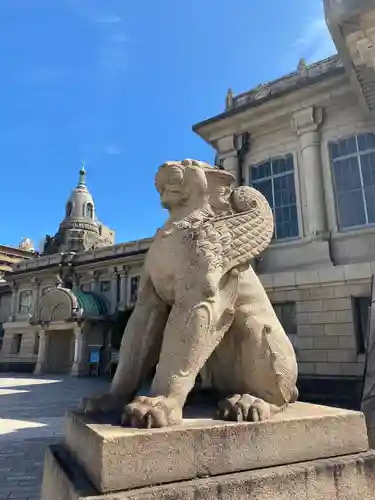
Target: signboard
<point>94,355</point>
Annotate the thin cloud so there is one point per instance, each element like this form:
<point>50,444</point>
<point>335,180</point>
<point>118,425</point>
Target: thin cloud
<point>316,42</point>
<point>313,44</point>
<point>112,50</point>
<point>112,150</point>
<point>113,57</point>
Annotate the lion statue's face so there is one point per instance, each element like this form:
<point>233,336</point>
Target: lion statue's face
<point>170,185</point>
<point>181,184</point>
<point>172,195</point>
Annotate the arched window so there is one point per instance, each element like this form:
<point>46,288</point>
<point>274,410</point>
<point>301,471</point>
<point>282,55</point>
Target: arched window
<point>69,207</point>
<point>90,210</point>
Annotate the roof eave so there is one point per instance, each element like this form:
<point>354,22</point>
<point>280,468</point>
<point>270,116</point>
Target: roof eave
<point>202,128</point>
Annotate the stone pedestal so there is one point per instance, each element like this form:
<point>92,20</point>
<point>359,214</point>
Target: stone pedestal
<point>308,451</point>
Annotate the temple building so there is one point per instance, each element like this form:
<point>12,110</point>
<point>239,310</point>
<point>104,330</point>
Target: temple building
<point>307,142</point>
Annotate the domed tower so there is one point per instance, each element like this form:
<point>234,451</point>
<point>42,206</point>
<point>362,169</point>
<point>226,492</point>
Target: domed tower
<point>80,204</point>
<point>80,227</point>
<point>80,230</point>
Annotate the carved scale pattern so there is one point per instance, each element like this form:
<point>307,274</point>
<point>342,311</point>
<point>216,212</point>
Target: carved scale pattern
<point>235,239</point>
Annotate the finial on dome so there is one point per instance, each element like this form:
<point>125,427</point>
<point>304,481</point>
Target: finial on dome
<point>82,174</point>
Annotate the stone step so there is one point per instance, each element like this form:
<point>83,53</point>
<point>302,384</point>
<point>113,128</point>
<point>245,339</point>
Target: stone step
<point>341,478</point>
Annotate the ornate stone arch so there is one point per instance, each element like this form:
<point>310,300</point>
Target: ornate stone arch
<point>57,304</point>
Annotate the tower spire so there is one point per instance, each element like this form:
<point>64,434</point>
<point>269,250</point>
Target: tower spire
<point>82,175</point>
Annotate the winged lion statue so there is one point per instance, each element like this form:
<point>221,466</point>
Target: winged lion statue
<point>201,309</point>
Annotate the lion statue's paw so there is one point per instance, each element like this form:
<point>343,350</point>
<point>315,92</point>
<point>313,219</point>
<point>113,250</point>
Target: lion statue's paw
<point>244,408</point>
<point>101,403</point>
<point>152,412</point>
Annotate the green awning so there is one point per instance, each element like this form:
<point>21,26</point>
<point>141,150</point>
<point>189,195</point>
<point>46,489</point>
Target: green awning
<point>93,304</point>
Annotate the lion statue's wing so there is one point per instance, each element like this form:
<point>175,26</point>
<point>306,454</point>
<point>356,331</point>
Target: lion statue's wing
<point>233,240</point>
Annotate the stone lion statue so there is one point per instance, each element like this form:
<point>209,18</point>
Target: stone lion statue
<point>201,309</point>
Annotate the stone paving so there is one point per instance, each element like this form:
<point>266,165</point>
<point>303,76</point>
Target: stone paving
<point>32,417</point>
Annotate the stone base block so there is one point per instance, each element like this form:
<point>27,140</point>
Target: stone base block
<point>116,458</point>
<point>351,477</point>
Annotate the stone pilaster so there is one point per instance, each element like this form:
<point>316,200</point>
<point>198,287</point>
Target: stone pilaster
<point>114,285</point>
<point>124,278</point>
<point>95,281</point>
<point>76,281</point>
<point>306,124</point>
<point>13,302</point>
<point>36,287</point>
<point>41,364</point>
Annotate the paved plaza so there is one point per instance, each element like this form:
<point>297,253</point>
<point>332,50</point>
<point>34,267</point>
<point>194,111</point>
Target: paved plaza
<point>32,417</point>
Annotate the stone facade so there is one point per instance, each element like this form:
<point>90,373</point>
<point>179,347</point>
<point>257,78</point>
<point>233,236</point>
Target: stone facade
<point>311,152</point>
<point>68,299</point>
<point>111,272</point>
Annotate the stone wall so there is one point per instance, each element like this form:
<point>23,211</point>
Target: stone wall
<point>19,349</point>
<point>326,326</point>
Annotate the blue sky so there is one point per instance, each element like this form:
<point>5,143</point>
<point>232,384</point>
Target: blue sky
<point>118,84</point>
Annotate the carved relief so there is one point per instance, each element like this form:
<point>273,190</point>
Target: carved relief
<point>57,304</point>
<point>25,301</point>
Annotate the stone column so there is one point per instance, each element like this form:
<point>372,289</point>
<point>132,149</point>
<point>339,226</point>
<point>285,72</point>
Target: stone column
<point>114,284</point>
<point>13,302</point>
<point>306,123</point>
<point>230,164</point>
<point>124,278</point>
<point>41,364</point>
<point>79,362</point>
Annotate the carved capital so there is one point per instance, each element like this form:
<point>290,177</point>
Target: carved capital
<point>42,334</point>
<point>124,271</point>
<point>35,281</point>
<point>307,120</point>
<point>226,144</point>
